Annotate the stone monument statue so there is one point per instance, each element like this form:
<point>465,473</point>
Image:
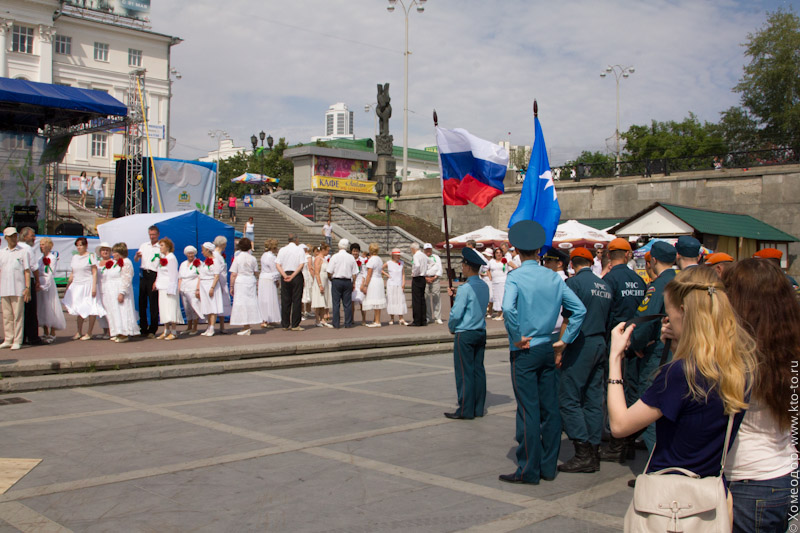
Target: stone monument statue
<point>384,142</point>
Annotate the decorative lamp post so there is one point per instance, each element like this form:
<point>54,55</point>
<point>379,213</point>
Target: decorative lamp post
<point>218,135</point>
<point>619,72</point>
<point>254,142</point>
<point>392,189</point>
<point>374,108</point>
<point>173,73</point>
<point>406,9</point>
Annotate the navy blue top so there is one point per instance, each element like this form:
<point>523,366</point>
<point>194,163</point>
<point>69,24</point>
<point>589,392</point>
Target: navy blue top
<point>690,434</point>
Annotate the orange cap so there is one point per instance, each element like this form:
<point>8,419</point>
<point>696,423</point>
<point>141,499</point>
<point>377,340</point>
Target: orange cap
<point>647,257</point>
<point>718,257</point>
<point>769,253</point>
<point>581,252</point>
<point>619,244</point>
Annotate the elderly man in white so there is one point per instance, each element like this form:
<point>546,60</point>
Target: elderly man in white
<point>15,288</point>
<point>342,270</point>
<point>419,266</point>
<point>433,303</point>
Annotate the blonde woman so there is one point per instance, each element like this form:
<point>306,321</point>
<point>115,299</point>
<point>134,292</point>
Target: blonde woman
<point>188,273</point>
<point>708,379</point>
<point>169,303</point>
<point>268,300</point>
<point>320,289</point>
<point>220,243</point>
<point>48,306</point>
<point>118,295</point>
<point>395,284</point>
<point>372,286</point>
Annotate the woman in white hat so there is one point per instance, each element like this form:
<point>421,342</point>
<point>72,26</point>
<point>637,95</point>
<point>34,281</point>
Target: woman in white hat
<point>103,253</point>
<point>268,283</point>
<point>220,243</point>
<point>80,299</point>
<point>48,306</point>
<point>208,289</point>
<point>117,274</point>
<point>245,311</point>
<point>396,282</point>
<point>187,286</point>
<point>169,303</point>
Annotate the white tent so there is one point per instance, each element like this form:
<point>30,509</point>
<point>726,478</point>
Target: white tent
<point>572,234</point>
<point>486,236</point>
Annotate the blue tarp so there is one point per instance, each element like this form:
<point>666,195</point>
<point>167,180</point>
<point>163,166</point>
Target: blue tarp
<point>60,97</point>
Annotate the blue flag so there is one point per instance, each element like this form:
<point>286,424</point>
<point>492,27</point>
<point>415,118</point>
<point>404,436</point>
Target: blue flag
<point>538,200</point>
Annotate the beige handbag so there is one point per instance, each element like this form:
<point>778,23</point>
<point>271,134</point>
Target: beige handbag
<point>678,500</point>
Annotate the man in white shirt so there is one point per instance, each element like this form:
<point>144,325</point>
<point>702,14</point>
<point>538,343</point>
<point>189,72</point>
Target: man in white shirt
<point>30,328</point>
<point>327,231</point>
<point>149,254</point>
<point>433,304</point>
<point>419,266</point>
<point>290,263</point>
<point>597,266</point>
<point>15,288</point>
<point>342,270</point>
<point>97,188</point>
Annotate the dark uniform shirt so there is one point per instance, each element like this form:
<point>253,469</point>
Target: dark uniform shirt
<point>652,304</point>
<point>793,283</point>
<point>627,292</point>
<point>595,295</point>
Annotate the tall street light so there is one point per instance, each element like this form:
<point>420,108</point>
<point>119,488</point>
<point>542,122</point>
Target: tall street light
<point>406,10</point>
<point>374,108</point>
<point>218,135</point>
<point>619,72</point>
<point>173,75</point>
<point>254,142</point>
<point>393,188</point>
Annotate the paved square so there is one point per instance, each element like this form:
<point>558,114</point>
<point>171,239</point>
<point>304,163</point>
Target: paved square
<point>338,448</point>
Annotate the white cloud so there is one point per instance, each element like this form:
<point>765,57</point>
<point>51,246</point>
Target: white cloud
<point>277,66</point>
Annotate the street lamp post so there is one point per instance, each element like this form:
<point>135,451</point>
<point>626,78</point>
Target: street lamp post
<point>619,72</point>
<point>374,107</point>
<point>393,188</point>
<point>406,9</point>
<point>219,135</point>
<point>173,72</point>
<point>254,142</point>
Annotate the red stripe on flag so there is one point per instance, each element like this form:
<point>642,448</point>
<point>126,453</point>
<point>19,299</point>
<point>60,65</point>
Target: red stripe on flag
<point>450,194</point>
<point>476,191</point>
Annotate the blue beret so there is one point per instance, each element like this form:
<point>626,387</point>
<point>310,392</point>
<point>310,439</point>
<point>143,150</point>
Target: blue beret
<point>472,257</point>
<point>687,246</point>
<point>527,235</point>
<point>663,251</point>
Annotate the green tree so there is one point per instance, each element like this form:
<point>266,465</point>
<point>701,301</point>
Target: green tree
<point>263,161</point>
<point>688,138</point>
<point>770,87</point>
<point>739,130</point>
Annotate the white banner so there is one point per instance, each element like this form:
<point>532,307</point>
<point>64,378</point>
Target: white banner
<point>183,186</point>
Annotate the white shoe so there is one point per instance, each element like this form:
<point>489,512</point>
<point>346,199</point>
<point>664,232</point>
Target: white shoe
<point>16,347</point>
<point>5,345</point>
<point>208,333</point>
<point>498,318</point>
<point>244,332</point>
<point>439,321</point>
<point>373,325</point>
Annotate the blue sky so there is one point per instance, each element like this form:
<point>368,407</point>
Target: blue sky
<point>276,66</point>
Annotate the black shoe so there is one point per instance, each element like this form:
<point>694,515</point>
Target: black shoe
<point>583,462</point>
<point>547,478</point>
<point>615,451</point>
<point>514,478</point>
<point>632,483</point>
<point>456,416</point>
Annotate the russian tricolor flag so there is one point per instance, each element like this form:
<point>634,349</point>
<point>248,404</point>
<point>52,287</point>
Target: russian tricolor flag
<point>473,169</point>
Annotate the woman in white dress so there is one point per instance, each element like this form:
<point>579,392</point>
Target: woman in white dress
<point>117,274</point>
<point>395,297</point>
<point>498,269</point>
<point>80,299</point>
<point>209,291</point>
<point>245,311</point>
<point>268,300</point>
<point>308,280</point>
<point>372,286</point>
<point>169,303</point>
<point>484,275</point>
<point>48,306</point>
<point>220,243</point>
<point>83,187</point>
<point>320,286</point>
<point>357,296</point>
<point>187,287</point>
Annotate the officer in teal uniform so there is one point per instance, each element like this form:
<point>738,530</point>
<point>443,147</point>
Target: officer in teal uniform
<point>627,292</point>
<point>532,302</point>
<point>646,338</point>
<point>581,390</point>
<point>468,324</point>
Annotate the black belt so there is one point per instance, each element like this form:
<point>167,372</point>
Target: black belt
<point>289,272</point>
<point>346,279</point>
<point>149,273</point>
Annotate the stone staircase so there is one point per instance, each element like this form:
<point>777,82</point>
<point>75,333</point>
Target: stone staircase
<point>369,232</point>
<point>271,224</point>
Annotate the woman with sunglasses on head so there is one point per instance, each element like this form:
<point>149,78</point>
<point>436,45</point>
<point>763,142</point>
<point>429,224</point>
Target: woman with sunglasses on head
<point>760,466</point>
<point>692,397</point>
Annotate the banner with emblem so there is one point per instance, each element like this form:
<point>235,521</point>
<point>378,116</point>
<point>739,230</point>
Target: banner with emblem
<point>183,186</point>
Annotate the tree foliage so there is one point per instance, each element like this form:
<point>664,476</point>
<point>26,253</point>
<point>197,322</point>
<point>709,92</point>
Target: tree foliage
<point>770,87</point>
<point>688,138</point>
<point>263,161</point>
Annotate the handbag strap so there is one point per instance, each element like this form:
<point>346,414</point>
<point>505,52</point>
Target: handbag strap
<point>728,432</point>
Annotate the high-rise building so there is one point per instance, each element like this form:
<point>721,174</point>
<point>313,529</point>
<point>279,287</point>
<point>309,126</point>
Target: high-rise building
<point>338,123</point>
<point>91,44</point>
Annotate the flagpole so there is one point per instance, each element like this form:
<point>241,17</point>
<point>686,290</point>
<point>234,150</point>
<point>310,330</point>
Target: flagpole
<point>446,228</point>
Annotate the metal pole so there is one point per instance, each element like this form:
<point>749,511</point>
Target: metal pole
<point>405,103</point>
<point>446,232</point>
<point>617,135</point>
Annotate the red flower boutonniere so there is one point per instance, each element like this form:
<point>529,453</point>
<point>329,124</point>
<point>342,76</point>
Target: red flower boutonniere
<point>163,261</point>
<point>209,261</point>
<point>224,256</point>
<point>120,262</point>
<point>109,264</point>
<point>196,263</point>
<point>504,261</point>
<point>46,263</point>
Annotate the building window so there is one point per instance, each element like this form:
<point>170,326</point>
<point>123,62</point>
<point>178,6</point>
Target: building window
<point>100,52</point>
<point>134,58</point>
<point>22,39</point>
<point>340,123</point>
<point>329,125</point>
<point>99,144</point>
<point>350,131</point>
<point>63,45</point>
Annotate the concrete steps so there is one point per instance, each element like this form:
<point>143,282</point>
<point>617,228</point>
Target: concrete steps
<point>271,224</point>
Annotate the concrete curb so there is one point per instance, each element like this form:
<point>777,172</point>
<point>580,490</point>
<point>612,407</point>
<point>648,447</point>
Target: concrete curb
<point>176,369</point>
